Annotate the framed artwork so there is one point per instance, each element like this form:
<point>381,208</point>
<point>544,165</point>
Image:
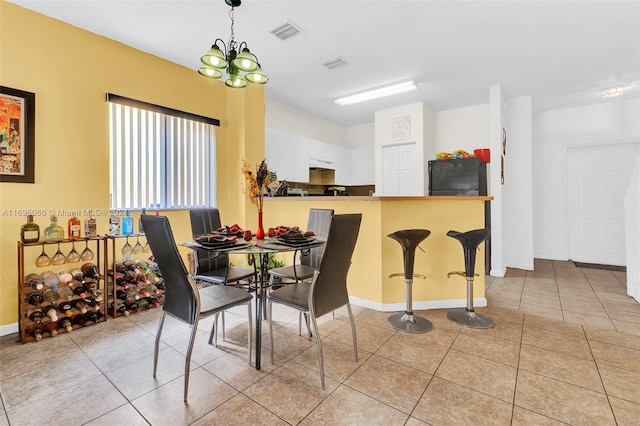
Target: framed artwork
<point>17,135</point>
<point>401,128</point>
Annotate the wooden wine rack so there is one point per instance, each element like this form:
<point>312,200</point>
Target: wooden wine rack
<point>115,256</point>
<point>25,325</point>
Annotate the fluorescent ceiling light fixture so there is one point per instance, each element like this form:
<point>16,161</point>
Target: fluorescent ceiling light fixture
<point>612,92</point>
<point>394,89</point>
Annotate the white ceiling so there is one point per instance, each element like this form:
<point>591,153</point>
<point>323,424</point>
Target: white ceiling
<point>562,53</point>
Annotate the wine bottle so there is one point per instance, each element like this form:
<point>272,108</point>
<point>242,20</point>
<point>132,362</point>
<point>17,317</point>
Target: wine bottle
<point>153,302</point>
<point>64,292</point>
<point>98,295</point>
<point>53,232</point>
<point>79,291</point>
<point>64,277</point>
<point>79,319</point>
<point>35,315</point>
<point>93,316</point>
<point>132,294</point>
<point>36,331</point>
<point>143,303</point>
<point>74,228</point>
<point>133,306</point>
<point>80,305</point>
<point>51,296</point>
<point>114,225</point>
<point>30,231</point>
<point>52,313</point>
<point>121,268</point>
<point>160,298</point>
<point>92,302</point>
<point>50,279</point>
<point>77,274</point>
<point>35,281</point>
<point>66,308</point>
<point>90,285</point>
<point>127,224</point>
<point>35,299</point>
<point>65,322</point>
<point>143,292</point>
<point>90,270</point>
<point>90,228</point>
<point>152,288</point>
<point>51,328</point>
<point>121,308</point>
<point>121,294</point>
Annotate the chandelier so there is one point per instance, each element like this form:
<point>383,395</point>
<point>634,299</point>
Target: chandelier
<point>241,65</point>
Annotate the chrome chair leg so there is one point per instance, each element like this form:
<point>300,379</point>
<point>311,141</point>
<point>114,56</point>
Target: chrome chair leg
<point>157,344</point>
<point>271,329</point>
<point>353,333</point>
<point>250,330</point>
<point>187,362</point>
<point>214,331</point>
<point>319,348</point>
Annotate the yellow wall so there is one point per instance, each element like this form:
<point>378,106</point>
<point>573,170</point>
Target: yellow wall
<point>70,71</point>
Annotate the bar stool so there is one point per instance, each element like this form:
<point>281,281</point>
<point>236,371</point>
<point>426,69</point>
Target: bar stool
<point>470,241</point>
<point>407,322</point>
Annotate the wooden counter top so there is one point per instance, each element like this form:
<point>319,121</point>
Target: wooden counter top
<point>383,198</point>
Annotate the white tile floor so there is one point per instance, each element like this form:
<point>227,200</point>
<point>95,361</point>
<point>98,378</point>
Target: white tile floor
<point>565,350</point>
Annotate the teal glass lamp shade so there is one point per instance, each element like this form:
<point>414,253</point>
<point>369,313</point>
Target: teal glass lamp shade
<point>210,72</point>
<point>214,58</point>
<point>236,81</point>
<point>245,61</point>
<point>257,77</point>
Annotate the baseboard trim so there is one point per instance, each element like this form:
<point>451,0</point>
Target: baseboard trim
<point>8,329</point>
<point>431,304</point>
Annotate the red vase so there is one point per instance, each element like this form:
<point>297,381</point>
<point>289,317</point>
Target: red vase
<point>260,231</point>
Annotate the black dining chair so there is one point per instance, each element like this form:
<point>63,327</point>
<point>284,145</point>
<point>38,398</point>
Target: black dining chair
<point>210,268</point>
<point>327,291</point>
<point>319,222</point>
<point>183,300</point>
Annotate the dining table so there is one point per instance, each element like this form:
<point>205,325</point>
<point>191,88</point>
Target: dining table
<point>261,249</point>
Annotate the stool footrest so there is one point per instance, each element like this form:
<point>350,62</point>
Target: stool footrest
<point>461,273</point>
<point>401,274</point>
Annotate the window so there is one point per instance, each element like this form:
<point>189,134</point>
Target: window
<point>160,158</point>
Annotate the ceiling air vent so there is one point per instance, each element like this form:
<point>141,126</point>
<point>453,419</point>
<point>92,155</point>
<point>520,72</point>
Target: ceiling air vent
<point>335,63</point>
<point>286,30</point>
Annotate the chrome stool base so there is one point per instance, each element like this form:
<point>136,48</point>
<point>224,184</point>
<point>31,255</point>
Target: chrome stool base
<point>470,319</point>
<point>409,323</point>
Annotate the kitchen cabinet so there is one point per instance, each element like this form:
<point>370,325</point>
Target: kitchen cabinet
<point>287,155</point>
<point>343,173</point>
<point>362,166</point>
<point>322,154</point>
<point>299,159</point>
<point>278,152</point>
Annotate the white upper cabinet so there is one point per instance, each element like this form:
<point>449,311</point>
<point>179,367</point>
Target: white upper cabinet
<point>322,154</point>
<point>362,166</point>
<point>287,155</point>
<point>343,175</point>
<point>299,159</point>
<point>278,150</point>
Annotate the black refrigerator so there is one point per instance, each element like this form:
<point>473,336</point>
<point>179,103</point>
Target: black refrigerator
<point>463,177</point>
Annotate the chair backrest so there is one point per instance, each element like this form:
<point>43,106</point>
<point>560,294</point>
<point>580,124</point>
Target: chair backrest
<point>204,221</point>
<point>329,287</point>
<point>319,222</point>
<point>182,299</point>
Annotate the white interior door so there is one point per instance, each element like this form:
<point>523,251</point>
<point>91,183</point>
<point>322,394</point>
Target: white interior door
<point>598,177</point>
<point>390,170</point>
<point>398,169</point>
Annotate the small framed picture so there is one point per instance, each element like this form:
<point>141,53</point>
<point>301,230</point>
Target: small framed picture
<point>17,135</point>
<point>402,128</point>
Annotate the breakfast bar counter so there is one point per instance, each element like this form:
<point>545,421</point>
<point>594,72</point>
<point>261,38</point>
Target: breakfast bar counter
<point>376,256</point>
